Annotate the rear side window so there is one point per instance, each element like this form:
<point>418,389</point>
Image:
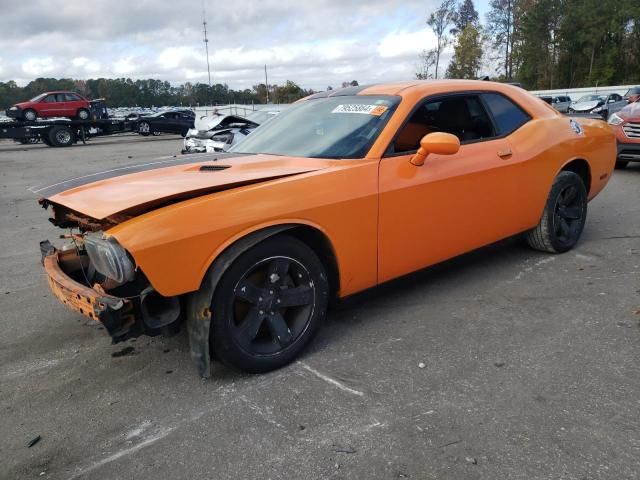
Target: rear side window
<point>507,115</point>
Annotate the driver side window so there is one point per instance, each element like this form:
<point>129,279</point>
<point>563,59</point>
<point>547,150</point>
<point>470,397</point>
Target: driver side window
<point>461,115</point>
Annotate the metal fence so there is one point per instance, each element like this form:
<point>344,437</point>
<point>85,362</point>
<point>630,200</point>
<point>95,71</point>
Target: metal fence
<point>576,93</point>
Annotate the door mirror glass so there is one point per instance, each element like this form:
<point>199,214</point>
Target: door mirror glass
<point>439,143</point>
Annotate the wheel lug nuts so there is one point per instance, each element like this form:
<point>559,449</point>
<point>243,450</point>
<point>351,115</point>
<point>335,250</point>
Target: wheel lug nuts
<point>261,312</point>
<point>259,299</point>
<point>270,292</point>
<point>278,301</point>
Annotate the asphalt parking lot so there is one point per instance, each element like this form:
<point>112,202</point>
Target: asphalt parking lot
<point>503,364</point>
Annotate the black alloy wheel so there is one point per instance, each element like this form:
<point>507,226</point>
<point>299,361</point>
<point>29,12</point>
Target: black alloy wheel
<point>564,215</point>
<point>568,217</point>
<point>269,304</point>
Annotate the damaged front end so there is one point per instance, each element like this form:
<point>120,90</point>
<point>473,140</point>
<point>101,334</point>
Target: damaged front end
<point>217,134</point>
<point>95,276</point>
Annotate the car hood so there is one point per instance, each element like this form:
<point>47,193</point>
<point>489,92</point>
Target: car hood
<point>584,106</point>
<point>139,188</point>
<point>631,112</point>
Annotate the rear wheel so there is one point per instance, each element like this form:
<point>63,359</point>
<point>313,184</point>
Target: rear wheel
<point>61,136</point>
<point>621,164</point>
<point>268,305</point>
<point>564,215</point>
<point>29,115</point>
<point>83,114</point>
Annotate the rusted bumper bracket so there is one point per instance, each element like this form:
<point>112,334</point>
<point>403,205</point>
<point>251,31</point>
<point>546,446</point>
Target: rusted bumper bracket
<point>116,314</point>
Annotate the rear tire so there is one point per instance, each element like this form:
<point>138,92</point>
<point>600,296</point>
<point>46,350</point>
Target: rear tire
<point>564,215</point>
<point>621,164</point>
<point>268,305</point>
<point>61,136</point>
<point>83,114</point>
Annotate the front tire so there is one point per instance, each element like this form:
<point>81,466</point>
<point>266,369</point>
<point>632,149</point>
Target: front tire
<point>564,215</point>
<point>30,115</point>
<point>268,305</point>
<point>144,128</point>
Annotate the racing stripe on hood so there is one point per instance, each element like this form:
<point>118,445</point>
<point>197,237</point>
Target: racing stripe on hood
<point>61,186</point>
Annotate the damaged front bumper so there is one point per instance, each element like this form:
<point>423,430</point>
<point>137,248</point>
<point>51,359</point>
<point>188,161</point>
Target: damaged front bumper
<point>128,316</point>
<point>202,145</point>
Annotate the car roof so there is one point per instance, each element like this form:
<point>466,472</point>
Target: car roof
<point>415,90</point>
<point>423,87</point>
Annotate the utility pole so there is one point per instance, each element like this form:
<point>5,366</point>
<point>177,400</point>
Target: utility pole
<point>266,82</point>
<point>206,43</point>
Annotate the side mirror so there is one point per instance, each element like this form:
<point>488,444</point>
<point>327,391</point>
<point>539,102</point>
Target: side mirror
<point>439,143</point>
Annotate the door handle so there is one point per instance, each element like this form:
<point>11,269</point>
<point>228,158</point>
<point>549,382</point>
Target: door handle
<point>506,153</point>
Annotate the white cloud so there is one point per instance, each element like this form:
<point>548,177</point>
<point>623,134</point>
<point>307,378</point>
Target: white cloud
<point>125,66</point>
<point>400,44</point>
<point>38,66</point>
<point>315,44</point>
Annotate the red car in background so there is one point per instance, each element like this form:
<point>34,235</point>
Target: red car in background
<point>52,104</point>
<point>632,95</point>
<point>626,124</point>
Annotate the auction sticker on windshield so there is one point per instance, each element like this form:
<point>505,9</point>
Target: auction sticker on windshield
<point>375,110</point>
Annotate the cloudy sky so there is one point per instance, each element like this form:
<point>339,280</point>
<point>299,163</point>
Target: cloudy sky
<point>314,43</point>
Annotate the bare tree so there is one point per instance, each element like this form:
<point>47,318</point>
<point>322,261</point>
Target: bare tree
<point>439,21</point>
<point>427,61</point>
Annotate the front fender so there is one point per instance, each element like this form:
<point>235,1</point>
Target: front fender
<point>199,308</point>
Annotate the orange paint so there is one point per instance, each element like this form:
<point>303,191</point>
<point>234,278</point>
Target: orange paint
<point>383,216</point>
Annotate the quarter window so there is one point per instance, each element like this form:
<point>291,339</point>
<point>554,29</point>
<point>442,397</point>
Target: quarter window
<point>507,115</point>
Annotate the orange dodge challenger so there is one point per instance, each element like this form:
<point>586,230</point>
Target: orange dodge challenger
<point>343,191</point>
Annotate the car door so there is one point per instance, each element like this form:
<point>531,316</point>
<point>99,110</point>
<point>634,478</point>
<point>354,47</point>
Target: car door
<point>48,106</point>
<point>73,104</point>
<point>453,203</point>
<point>172,122</point>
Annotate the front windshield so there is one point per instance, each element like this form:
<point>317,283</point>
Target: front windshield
<point>589,98</point>
<point>38,98</point>
<point>333,127</point>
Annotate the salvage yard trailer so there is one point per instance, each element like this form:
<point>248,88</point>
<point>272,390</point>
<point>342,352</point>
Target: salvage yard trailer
<point>62,132</point>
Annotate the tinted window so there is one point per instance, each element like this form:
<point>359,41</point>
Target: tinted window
<point>332,127</point>
<point>508,115</point>
<point>72,97</point>
<point>461,115</point>
<point>50,99</point>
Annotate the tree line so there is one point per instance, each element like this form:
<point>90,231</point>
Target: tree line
<point>542,44</point>
<point>125,92</point>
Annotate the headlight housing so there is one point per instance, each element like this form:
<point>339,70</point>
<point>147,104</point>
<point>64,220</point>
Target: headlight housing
<point>109,258</point>
<point>13,108</point>
<point>615,120</point>
<point>596,110</point>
